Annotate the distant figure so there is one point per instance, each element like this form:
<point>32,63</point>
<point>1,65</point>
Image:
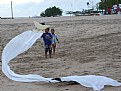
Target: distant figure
<point>109,10</point>
<point>47,38</point>
<point>112,10</point>
<point>115,8</point>
<point>54,40</point>
<point>119,7</point>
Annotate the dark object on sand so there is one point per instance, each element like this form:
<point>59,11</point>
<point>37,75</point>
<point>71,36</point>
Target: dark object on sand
<point>70,82</point>
<point>43,23</point>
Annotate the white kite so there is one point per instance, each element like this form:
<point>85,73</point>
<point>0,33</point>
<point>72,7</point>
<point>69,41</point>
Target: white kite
<point>23,42</point>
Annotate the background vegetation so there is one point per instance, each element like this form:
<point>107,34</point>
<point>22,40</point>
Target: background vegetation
<point>52,12</point>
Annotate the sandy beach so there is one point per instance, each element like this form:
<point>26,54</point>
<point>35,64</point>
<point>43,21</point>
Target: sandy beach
<point>89,45</point>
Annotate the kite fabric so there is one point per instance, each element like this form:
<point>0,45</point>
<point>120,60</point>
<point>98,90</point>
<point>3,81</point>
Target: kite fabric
<point>22,43</point>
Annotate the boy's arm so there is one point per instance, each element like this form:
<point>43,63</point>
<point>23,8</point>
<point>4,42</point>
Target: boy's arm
<point>57,39</point>
<point>51,37</point>
<point>42,36</point>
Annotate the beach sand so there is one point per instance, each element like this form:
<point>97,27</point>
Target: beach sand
<point>89,45</point>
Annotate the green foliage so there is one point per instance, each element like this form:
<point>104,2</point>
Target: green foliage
<point>52,11</point>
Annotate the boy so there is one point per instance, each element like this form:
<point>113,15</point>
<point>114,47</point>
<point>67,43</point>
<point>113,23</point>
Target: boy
<point>47,38</point>
<point>54,40</point>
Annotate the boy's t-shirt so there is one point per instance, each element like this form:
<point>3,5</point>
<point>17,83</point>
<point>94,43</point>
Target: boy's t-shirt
<point>54,39</point>
<point>47,37</point>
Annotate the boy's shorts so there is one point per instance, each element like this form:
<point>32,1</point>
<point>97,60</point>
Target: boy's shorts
<point>48,48</point>
<point>54,45</point>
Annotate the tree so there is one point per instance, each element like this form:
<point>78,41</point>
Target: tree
<point>52,11</point>
<point>104,4</point>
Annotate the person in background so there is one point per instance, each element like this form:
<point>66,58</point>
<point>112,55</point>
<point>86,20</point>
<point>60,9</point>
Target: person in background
<point>109,10</point>
<point>47,38</point>
<point>54,40</point>
<point>115,8</point>
<point>119,7</point>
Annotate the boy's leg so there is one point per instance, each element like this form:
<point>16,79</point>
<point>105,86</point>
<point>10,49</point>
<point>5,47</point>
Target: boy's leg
<point>50,50</point>
<point>46,50</point>
<point>53,47</point>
